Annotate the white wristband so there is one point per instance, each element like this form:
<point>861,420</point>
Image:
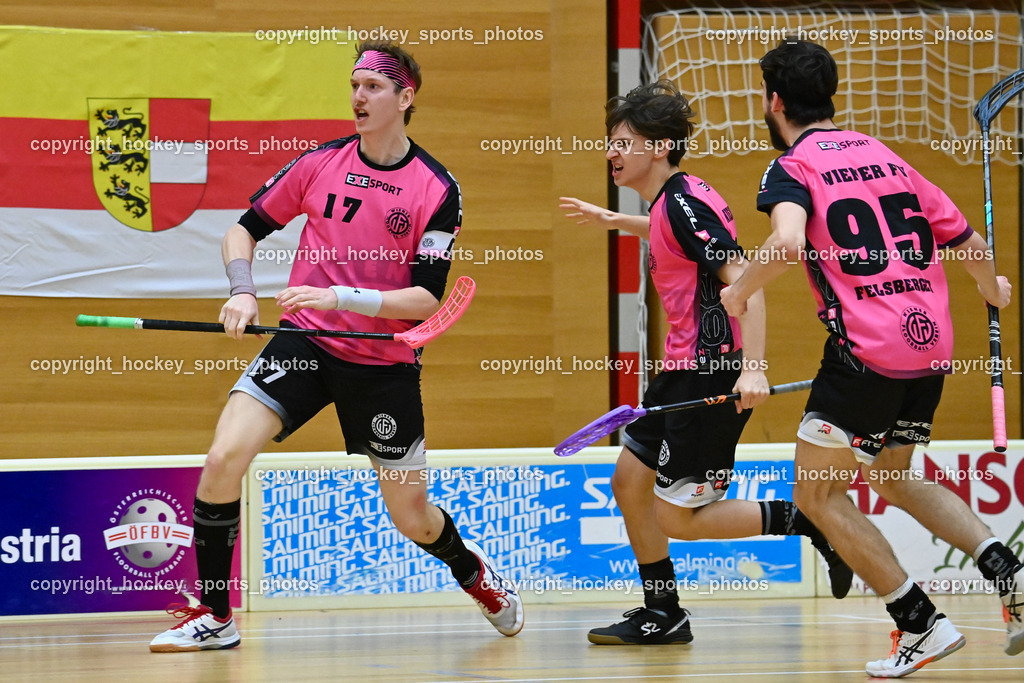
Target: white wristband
<point>363,301</point>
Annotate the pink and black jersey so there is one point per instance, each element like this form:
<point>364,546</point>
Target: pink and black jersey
<point>693,234</point>
<point>367,225</point>
<point>873,227</point>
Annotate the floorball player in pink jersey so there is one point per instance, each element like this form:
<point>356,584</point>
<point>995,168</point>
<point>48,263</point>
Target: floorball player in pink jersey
<point>867,226</point>
<point>674,470</point>
<point>387,214</point>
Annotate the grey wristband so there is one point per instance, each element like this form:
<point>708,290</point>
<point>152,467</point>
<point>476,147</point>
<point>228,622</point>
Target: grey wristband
<point>239,272</point>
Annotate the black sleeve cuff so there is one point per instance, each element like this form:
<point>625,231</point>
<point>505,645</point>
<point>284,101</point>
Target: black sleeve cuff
<point>255,225</point>
<point>431,274</point>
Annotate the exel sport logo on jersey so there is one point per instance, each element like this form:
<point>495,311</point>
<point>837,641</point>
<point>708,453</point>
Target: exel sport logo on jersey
<point>687,209</point>
<point>841,145</point>
<point>370,183</point>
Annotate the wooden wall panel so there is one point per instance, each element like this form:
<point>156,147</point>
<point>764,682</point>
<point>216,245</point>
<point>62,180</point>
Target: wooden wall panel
<point>548,307</point>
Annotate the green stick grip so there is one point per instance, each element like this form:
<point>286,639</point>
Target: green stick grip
<point>105,321</point>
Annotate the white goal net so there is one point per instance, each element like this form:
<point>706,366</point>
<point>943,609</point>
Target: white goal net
<point>906,74</point>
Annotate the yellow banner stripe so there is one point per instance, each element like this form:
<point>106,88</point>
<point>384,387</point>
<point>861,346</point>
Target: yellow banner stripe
<point>50,72</point>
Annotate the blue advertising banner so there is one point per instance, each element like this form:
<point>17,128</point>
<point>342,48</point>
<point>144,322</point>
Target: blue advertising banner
<point>546,527</point>
<point>103,540</point>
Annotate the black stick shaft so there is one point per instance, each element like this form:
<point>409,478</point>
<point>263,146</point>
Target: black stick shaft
<point>728,398</point>
<point>189,326</point>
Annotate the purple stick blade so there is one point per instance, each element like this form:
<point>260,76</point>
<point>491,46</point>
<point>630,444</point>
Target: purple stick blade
<point>598,429</point>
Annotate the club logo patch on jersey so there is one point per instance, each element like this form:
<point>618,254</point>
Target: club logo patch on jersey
<point>652,263</point>
<point>920,331</point>
<point>398,222</point>
<point>383,426</point>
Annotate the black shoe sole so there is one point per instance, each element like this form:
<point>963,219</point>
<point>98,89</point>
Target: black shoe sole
<point>599,639</point>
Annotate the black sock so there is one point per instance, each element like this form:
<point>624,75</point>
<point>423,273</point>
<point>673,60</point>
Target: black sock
<point>450,549</point>
<point>659,582</point>
<point>998,564</point>
<point>914,612</point>
<point>216,530</point>
<point>779,518</point>
<point>782,518</point>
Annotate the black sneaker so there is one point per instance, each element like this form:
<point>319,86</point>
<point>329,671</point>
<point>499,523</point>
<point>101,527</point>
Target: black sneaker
<point>645,627</point>
<point>840,576</point>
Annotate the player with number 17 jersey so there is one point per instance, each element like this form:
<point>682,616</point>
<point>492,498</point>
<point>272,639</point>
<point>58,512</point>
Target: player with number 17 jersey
<point>871,254</point>
<point>381,227</point>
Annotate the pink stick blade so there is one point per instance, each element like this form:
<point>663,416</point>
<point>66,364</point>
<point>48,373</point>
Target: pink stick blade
<point>598,429</point>
<point>436,325</point>
<point>998,420</point>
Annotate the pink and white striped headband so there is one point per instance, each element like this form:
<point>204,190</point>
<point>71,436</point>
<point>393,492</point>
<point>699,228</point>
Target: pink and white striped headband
<point>383,63</point>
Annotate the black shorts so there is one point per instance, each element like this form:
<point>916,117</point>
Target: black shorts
<point>864,411</point>
<point>379,406</point>
<point>693,451</point>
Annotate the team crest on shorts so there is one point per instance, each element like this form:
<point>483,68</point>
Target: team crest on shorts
<point>663,454</point>
<point>383,426</point>
<point>398,222</point>
<point>919,330</point>
<point>148,532</point>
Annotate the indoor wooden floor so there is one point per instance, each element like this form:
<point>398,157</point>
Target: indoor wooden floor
<point>784,639</point>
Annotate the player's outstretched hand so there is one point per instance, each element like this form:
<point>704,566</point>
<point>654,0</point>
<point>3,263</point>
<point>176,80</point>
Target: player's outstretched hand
<point>585,212</point>
<point>1001,298</point>
<point>237,312</point>
<point>753,388</point>
<point>294,298</point>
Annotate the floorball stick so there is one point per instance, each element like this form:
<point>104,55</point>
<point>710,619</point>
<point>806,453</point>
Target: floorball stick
<point>986,111</point>
<point>428,330</point>
<point>623,415</point>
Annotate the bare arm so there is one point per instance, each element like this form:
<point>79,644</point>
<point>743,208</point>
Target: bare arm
<point>240,309</point>
<point>410,303</point>
<point>783,248</point>
<point>977,261</point>
<point>752,383</point>
<point>587,213</point>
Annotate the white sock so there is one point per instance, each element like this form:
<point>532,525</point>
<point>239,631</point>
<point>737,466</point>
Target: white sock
<point>982,547</point>
<point>898,593</point>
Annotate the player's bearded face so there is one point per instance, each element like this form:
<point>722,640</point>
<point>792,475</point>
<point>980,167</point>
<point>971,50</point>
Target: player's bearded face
<point>774,133</point>
<point>778,142</point>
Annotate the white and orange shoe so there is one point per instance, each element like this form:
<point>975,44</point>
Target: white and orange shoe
<point>911,651</point>
<point>1013,614</point>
